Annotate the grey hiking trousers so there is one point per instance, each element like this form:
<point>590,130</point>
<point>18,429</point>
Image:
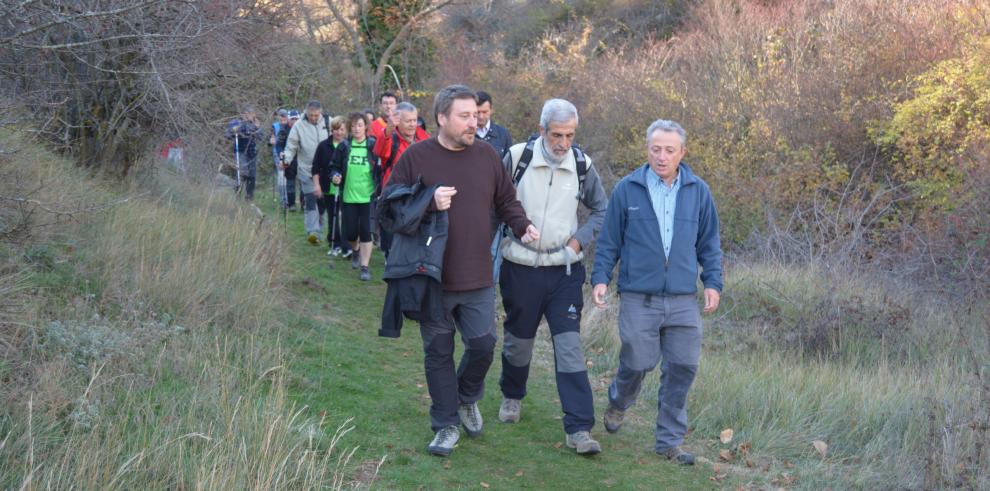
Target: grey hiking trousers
<point>311,212</point>
<point>654,329</point>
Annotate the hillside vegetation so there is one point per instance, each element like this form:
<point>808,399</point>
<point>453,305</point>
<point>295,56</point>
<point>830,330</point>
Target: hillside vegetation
<point>138,339</point>
<point>155,333</point>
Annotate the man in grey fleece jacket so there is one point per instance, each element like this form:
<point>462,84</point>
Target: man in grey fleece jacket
<point>544,279</point>
<point>303,139</point>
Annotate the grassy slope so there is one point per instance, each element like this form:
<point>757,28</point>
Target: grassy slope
<point>207,407</point>
<point>341,366</point>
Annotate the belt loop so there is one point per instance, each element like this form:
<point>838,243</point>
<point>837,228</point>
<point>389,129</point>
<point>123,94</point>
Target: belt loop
<point>648,300</point>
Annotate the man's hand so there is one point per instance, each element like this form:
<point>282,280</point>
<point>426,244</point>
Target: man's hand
<point>531,234</point>
<point>391,122</point>
<point>317,192</point>
<point>442,197</point>
<point>711,300</point>
<point>574,245</point>
<point>598,295</point>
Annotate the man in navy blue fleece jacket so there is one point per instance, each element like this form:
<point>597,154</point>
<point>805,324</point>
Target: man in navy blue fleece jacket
<point>661,223</point>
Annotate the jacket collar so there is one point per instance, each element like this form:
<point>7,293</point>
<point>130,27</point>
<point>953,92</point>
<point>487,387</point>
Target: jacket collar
<point>685,174</point>
<point>538,160</point>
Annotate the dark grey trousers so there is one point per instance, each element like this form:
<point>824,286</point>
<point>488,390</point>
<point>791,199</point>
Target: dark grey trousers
<point>473,314</point>
<point>655,329</point>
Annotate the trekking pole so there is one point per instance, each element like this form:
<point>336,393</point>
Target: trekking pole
<point>333,220</point>
<point>283,198</point>
<point>237,160</point>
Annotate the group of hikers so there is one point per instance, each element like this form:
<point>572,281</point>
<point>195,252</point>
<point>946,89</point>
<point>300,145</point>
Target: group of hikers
<point>466,209</point>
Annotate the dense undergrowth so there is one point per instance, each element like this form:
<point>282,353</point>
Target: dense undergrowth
<point>139,339</point>
<point>895,381</point>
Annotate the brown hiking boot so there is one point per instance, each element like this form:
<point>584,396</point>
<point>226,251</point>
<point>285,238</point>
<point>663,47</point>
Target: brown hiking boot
<point>677,454</point>
<point>613,418</point>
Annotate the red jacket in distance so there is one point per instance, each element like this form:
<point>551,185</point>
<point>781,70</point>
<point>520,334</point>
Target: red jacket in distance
<point>377,129</point>
<point>383,150</point>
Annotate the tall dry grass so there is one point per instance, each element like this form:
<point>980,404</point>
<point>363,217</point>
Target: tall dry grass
<point>143,351</point>
<point>894,381</point>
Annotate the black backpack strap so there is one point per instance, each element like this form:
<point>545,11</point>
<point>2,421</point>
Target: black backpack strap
<point>524,160</point>
<point>395,150</point>
<point>326,122</point>
<point>582,169</point>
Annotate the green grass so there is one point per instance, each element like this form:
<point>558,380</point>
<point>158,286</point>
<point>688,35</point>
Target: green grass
<point>341,366</point>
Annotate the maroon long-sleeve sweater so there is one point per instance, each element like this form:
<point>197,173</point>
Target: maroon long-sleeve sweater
<point>483,186</point>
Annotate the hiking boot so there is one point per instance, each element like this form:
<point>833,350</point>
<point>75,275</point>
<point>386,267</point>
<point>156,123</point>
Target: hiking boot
<point>365,274</point>
<point>678,455</point>
<point>471,419</point>
<point>313,239</point>
<point>355,261</point>
<point>509,411</point>
<point>613,418</point>
<point>335,251</point>
<point>292,209</point>
<point>583,443</point>
<point>444,441</point>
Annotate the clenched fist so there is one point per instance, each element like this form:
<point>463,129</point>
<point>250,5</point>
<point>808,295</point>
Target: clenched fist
<point>442,197</point>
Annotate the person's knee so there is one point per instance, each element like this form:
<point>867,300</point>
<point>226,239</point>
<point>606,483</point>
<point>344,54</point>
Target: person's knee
<point>639,356</point>
<point>438,345</point>
<point>481,344</point>
<point>677,381</point>
<point>569,352</point>
<point>517,351</point>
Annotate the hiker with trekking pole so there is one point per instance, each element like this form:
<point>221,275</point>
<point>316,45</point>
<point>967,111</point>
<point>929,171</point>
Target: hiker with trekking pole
<point>245,132</point>
<point>278,146</point>
<point>322,177</point>
<point>353,168</point>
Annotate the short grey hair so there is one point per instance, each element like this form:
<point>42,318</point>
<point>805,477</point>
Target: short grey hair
<point>446,96</point>
<point>557,111</point>
<point>667,126</point>
<point>314,104</point>
<point>405,107</point>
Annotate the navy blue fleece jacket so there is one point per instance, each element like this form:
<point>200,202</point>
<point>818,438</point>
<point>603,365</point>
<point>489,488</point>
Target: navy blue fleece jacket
<point>631,232</point>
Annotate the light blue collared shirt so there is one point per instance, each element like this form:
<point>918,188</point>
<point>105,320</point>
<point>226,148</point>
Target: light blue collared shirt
<point>664,201</point>
<point>482,131</point>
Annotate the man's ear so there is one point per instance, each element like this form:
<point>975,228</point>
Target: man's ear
<point>543,132</point>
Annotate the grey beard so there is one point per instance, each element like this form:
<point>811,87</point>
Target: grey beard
<point>549,156</point>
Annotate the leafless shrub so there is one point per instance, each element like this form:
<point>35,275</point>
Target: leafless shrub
<point>107,77</point>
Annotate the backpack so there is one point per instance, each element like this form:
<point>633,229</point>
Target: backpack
<point>527,157</point>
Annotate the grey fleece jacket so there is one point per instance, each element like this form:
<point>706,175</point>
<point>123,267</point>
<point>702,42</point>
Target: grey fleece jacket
<point>550,196</point>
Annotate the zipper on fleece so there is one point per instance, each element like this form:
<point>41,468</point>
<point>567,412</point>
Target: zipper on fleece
<point>546,205</point>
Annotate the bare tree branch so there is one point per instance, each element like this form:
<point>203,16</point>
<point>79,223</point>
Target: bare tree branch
<point>86,15</point>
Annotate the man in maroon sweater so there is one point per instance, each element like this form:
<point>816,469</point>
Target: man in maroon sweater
<point>473,184</point>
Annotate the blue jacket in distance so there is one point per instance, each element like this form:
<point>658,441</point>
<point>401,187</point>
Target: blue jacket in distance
<point>631,232</point>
